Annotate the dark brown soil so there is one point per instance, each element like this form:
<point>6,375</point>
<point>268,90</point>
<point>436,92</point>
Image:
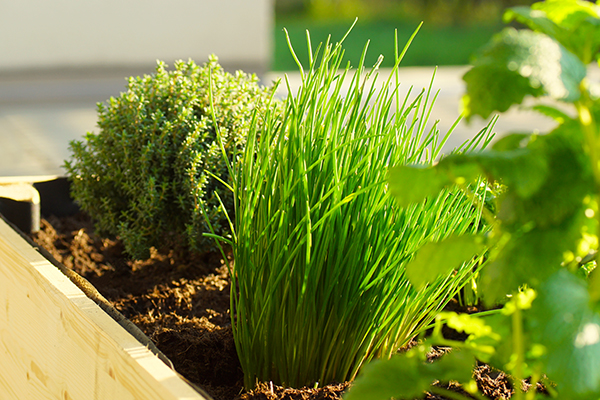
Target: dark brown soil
<point>181,302</point>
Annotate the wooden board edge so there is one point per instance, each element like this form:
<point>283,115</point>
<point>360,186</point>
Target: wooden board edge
<point>122,359</point>
<point>6,180</point>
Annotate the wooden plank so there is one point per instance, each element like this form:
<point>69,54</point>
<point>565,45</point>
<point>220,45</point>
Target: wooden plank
<point>20,204</point>
<point>55,343</point>
<point>27,179</point>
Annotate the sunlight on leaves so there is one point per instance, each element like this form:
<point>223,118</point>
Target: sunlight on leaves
<point>474,326</point>
<point>574,24</point>
<point>517,64</point>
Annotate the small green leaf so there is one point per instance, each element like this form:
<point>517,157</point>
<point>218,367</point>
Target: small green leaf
<point>472,325</point>
<point>552,112</point>
<point>511,142</point>
<point>501,324</point>
<point>594,288</point>
<point>408,375</point>
<point>439,258</point>
<point>517,64</point>
<point>414,184</point>
<point>484,339</point>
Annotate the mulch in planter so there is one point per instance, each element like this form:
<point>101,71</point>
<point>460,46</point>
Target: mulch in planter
<point>181,302</point>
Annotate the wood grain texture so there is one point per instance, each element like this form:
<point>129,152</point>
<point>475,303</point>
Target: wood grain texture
<point>55,343</point>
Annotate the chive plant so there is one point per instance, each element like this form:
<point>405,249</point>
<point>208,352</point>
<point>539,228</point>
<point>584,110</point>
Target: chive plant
<point>318,284</point>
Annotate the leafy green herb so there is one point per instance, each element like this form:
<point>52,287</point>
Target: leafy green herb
<point>319,280</point>
<point>546,223</point>
<point>156,159</point>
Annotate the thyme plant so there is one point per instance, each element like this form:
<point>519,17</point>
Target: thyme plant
<point>156,161</point>
<point>544,238</point>
<point>319,285</point>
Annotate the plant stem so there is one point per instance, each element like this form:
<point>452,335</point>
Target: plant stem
<point>533,389</point>
<point>518,351</point>
<point>590,129</point>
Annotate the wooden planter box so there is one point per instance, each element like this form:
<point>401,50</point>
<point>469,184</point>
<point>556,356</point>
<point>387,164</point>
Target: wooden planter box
<point>57,343</point>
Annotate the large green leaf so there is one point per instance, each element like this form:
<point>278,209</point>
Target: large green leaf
<point>413,184</point>
<point>408,375</point>
<point>540,224</point>
<point>511,141</point>
<point>517,64</point>
<point>440,258</point>
<point>551,181</point>
<point>562,320</point>
<point>574,24</point>
<point>523,170</point>
<point>529,258</point>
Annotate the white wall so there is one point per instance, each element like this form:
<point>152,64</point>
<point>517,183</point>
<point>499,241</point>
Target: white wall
<point>40,34</point>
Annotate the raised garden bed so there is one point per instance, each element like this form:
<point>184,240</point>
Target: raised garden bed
<point>79,321</point>
<point>180,303</point>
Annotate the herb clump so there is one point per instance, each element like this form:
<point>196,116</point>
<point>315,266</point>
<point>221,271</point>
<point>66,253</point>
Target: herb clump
<point>156,162</point>
<point>319,285</point>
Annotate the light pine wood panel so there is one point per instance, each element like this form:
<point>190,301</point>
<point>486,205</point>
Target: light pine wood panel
<point>55,343</point>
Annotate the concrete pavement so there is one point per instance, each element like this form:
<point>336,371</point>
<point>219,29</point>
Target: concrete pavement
<point>40,115</point>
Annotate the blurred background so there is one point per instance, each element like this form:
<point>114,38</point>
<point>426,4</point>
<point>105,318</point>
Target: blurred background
<point>59,59</point>
<point>452,29</point>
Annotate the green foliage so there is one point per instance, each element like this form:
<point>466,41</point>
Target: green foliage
<point>156,160</point>
<point>540,214</point>
<point>547,221</point>
<point>410,374</point>
<point>319,284</point>
<point>574,24</point>
<point>517,56</point>
<point>563,320</point>
<point>452,252</point>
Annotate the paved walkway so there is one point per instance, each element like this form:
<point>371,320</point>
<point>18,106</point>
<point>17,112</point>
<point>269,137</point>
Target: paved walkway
<point>39,116</point>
